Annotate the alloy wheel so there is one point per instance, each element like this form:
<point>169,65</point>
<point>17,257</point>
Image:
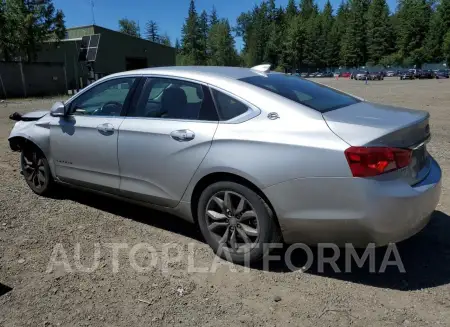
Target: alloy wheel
<point>232,220</point>
<point>33,169</point>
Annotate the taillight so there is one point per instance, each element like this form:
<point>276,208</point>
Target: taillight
<point>372,161</point>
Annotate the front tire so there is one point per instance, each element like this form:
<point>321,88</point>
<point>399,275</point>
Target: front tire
<point>236,222</point>
<point>36,170</point>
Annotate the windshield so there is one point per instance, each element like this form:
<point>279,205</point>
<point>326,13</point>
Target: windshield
<point>310,94</point>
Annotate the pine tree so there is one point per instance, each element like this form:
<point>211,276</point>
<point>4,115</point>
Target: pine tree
<point>254,27</point>
<point>307,9</point>
<point>439,25</point>
<point>26,25</point>
<point>414,20</point>
<point>130,27</point>
<point>312,51</point>
<point>292,49</point>
<point>191,48</point>
<point>203,33</point>
<point>275,34</point>
<point>165,40</point>
<point>291,10</point>
<point>379,34</point>
<point>213,19</point>
<point>151,31</point>
<point>353,49</point>
<point>446,47</point>
<point>326,41</point>
<point>221,43</point>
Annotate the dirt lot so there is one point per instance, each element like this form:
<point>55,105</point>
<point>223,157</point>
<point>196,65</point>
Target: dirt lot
<point>31,227</point>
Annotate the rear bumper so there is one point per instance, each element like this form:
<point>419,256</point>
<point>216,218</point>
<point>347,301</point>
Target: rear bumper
<point>354,210</point>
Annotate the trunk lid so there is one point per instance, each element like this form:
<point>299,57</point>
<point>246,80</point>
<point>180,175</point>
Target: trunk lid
<point>369,124</point>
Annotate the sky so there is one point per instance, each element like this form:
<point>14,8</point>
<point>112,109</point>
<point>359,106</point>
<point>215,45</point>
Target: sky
<point>169,14</point>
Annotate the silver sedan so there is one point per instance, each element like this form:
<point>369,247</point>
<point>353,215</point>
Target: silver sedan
<point>250,156</point>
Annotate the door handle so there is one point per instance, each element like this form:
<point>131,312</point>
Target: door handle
<point>182,135</point>
<point>105,128</point>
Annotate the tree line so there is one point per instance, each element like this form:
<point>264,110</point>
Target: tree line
<point>300,35</point>
<point>25,25</point>
<point>357,33</point>
<point>206,38</point>
<point>131,27</point>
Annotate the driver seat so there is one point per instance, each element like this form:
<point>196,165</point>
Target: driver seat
<point>173,102</point>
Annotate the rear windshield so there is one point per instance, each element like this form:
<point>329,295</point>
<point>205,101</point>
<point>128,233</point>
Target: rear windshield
<point>310,94</point>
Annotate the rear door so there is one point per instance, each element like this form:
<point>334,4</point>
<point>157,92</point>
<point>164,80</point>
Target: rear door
<point>84,144</point>
<point>164,138</point>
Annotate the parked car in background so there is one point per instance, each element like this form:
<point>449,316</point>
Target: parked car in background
<point>362,75</point>
<point>416,72</point>
<point>304,74</point>
<point>441,73</point>
<point>346,74</point>
<point>376,76</point>
<point>390,73</point>
<point>328,74</point>
<point>407,74</point>
<point>250,156</point>
<point>426,74</point>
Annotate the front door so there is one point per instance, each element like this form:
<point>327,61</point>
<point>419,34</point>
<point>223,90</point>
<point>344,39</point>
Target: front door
<point>164,138</point>
<point>84,144</point>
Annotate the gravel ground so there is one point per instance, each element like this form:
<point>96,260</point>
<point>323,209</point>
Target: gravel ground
<point>34,293</point>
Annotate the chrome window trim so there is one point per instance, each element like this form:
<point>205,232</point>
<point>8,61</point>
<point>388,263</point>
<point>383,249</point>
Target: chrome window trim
<point>174,77</point>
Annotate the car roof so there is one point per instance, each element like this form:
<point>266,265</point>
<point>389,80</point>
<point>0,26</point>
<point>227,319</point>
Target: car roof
<point>201,73</point>
<point>227,79</point>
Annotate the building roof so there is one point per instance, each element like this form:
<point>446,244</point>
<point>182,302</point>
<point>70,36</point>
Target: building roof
<point>96,29</point>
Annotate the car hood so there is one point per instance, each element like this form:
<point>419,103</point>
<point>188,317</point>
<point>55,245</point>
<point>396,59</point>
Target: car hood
<point>35,115</point>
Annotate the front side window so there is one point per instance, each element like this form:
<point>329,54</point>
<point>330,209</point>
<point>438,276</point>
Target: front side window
<point>105,99</point>
<point>174,99</point>
<point>313,95</point>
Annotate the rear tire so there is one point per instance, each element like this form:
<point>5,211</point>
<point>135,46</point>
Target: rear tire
<point>236,222</point>
<point>36,171</point>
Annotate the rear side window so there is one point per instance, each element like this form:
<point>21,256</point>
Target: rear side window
<point>227,106</point>
<point>310,94</point>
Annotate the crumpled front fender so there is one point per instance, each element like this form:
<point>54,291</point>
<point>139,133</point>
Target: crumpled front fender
<point>37,132</point>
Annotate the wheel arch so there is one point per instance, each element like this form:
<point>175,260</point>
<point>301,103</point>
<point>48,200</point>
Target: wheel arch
<point>212,178</point>
<point>18,143</point>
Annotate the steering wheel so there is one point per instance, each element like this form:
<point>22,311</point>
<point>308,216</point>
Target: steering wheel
<point>110,108</point>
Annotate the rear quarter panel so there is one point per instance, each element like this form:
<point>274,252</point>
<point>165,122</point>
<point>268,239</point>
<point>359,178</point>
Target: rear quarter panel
<point>266,152</point>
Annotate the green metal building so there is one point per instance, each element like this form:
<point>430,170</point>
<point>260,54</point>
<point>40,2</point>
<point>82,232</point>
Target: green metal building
<point>116,52</point>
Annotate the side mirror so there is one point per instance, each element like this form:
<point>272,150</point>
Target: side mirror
<point>58,110</point>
